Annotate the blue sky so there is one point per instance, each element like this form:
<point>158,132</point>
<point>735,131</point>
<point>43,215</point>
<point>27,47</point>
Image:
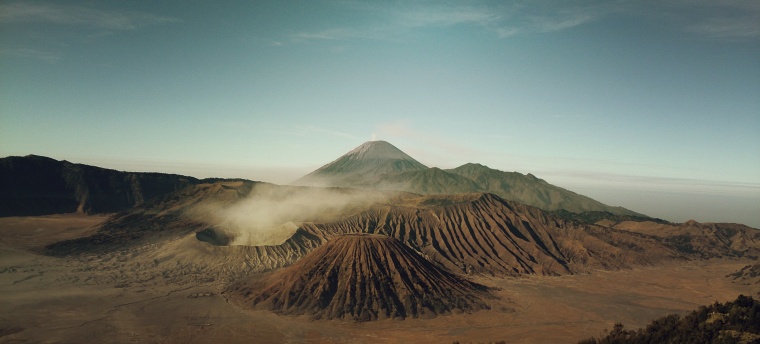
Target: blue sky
<point>652,105</point>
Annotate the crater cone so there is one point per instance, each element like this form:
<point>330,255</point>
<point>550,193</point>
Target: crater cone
<point>362,278</point>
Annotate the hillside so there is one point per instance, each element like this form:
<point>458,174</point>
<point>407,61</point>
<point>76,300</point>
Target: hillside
<point>365,163</point>
<point>380,165</point>
<point>530,190</point>
<point>708,240</point>
<point>466,233</point>
<point>35,185</point>
<point>362,277</point>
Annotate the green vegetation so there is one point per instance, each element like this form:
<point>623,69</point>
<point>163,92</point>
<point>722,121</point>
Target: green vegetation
<point>592,217</point>
<point>733,322</point>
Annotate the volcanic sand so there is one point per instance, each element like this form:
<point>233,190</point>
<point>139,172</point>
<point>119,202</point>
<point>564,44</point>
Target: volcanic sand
<point>65,300</point>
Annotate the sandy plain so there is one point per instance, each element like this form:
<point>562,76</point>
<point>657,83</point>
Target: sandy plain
<point>75,300</point>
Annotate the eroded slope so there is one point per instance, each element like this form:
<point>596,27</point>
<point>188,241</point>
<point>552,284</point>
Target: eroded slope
<point>363,277</point>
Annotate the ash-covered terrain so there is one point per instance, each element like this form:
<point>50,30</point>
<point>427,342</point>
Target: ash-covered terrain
<point>363,277</point>
<point>385,249</point>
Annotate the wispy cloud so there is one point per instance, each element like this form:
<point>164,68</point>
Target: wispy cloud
<point>26,12</point>
<point>725,27</point>
<point>28,53</point>
<point>504,20</point>
<point>57,27</point>
<point>442,16</point>
<point>709,19</point>
<point>731,20</point>
<point>644,182</point>
<point>331,34</point>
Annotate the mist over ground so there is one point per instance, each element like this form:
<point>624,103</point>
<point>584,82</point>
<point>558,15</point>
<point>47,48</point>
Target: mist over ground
<point>270,214</point>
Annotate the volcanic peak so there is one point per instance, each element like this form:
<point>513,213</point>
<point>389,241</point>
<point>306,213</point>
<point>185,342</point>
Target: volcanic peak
<point>363,277</point>
<point>377,150</point>
<point>362,164</point>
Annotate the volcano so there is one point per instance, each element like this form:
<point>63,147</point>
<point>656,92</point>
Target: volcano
<point>363,164</point>
<point>380,165</point>
<point>363,278</point>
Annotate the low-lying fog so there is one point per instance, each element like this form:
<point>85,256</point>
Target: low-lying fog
<point>270,214</point>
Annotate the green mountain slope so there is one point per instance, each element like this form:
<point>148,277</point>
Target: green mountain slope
<point>530,190</point>
<point>380,165</point>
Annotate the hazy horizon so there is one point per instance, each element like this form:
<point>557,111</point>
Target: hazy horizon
<point>651,106</point>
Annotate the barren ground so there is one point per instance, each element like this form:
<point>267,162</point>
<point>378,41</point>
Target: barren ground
<point>47,300</point>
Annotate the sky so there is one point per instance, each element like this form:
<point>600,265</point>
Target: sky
<point>650,105</point>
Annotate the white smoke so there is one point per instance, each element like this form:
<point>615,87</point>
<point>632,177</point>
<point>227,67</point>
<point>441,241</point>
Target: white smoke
<point>271,214</point>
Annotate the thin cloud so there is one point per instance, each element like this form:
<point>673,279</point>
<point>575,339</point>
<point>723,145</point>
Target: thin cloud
<point>331,34</point>
<point>707,19</point>
<point>505,20</point>
<point>726,28</point>
<point>551,24</point>
<point>24,12</point>
<point>444,16</point>
<point>642,182</point>
<point>729,20</point>
<point>29,53</point>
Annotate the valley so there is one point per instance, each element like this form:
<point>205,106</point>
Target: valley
<point>72,300</point>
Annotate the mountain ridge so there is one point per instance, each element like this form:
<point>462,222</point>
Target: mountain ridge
<point>371,160</point>
<point>380,165</point>
<point>38,185</point>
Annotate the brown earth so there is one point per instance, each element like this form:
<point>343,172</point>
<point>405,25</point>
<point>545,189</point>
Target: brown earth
<point>36,232</point>
<point>104,300</point>
<point>706,240</point>
<point>130,277</point>
<point>484,234</point>
<point>748,275</point>
<point>468,233</point>
<point>362,277</point>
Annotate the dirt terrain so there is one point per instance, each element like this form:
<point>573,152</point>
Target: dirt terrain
<point>107,298</point>
<point>362,277</point>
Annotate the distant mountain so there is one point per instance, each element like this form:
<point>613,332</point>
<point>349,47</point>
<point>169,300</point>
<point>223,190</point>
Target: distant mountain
<point>430,181</point>
<point>36,185</point>
<point>380,165</point>
<point>530,190</point>
<point>366,163</point>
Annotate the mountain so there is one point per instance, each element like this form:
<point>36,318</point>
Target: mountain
<point>530,190</point>
<point>472,234</point>
<point>467,233</point>
<point>708,240</point>
<point>380,165</point>
<point>363,277</point>
<point>36,185</point>
<point>363,164</point>
<point>430,181</point>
